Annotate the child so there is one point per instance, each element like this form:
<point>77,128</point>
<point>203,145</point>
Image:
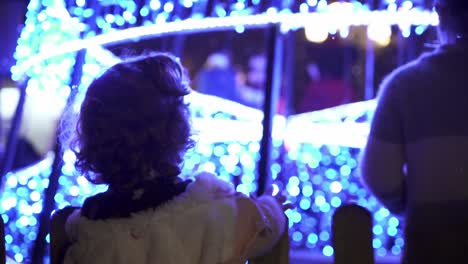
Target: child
<point>132,133</point>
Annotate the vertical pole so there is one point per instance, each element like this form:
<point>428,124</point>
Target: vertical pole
<point>370,61</point>
<point>401,46</point>
<point>40,245</point>
<point>289,69</point>
<point>209,8</point>
<point>347,73</point>
<point>273,84</point>
<point>2,85</point>
<point>49,194</point>
<point>179,39</point>
<point>412,52</point>
<point>370,68</point>
<point>178,45</point>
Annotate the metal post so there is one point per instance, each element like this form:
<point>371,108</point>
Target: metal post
<point>370,68</point>
<point>412,52</point>
<point>273,84</point>
<point>49,194</point>
<point>289,69</point>
<point>1,121</point>
<point>370,61</point>
<point>401,45</point>
<point>209,8</point>
<point>178,45</point>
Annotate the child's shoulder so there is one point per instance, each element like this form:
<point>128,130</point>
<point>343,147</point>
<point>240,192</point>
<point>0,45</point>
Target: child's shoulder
<point>208,186</point>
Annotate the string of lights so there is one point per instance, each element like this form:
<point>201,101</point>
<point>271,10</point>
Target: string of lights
<point>335,18</point>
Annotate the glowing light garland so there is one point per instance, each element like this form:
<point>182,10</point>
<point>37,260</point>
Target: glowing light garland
<point>331,21</point>
<point>21,204</point>
<point>337,126</point>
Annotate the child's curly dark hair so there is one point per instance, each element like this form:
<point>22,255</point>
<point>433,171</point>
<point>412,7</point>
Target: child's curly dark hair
<point>134,124</point>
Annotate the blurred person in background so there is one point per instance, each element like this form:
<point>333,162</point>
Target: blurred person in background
<point>217,77</point>
<point>324,90</point>
<point>416,158</point>
<point>252,93</point>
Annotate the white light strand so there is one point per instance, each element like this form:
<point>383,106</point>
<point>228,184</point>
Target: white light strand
<point>213,104</point>
<point>288,21</point>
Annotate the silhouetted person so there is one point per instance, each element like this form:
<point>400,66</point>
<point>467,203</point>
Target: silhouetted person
<point>416,158</point>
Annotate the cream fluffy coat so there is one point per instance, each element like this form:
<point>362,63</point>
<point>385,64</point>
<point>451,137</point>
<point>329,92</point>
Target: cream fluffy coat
<point>199,226</point>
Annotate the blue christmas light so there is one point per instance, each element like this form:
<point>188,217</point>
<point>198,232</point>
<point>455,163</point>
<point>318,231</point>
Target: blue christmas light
<point>20,206</point>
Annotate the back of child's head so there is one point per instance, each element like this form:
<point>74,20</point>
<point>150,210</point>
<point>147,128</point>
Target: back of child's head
<point>133,123</point>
